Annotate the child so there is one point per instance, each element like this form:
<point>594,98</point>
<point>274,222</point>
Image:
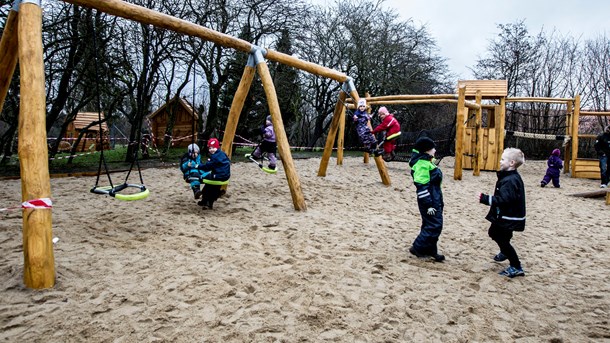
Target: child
<point>427,178</point>
<point>507,209</point>
<point>219,168</point>
<point>602,147</point>
<point>391,126</point>
<point>555,164</point>
<point>189,163</point>
<point>361,117</point>
<point>268,144</point>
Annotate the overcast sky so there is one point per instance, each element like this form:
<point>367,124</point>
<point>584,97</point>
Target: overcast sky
<point>464,28</point>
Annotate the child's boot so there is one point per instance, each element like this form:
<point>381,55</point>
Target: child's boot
<point>197,192</point>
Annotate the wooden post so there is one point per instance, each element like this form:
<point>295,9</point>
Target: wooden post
<point>568,149</point>
<point>8,54</point>
<point>332,133</point>
<point>479,133</point>
<point>575,121</point>
<point>459,133</point>
<point>383,171</point>
<point>39,265</point>
<point>237,105</point>
<point>294,183</point>
<point>341,137</point>
<point>500,134</point>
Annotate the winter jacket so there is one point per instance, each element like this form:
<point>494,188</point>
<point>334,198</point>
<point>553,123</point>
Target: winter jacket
<point>192,173</point>
<point>389,124</point>
<point>555,164</point>
<point>219,165</point>
<point>602,144</point>
<point>269,134</point>
<point>427,178</point>
<point>362,128</point>
<point>507,205</point>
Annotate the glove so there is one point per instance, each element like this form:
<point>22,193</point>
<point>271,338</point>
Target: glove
<point>431,211</point>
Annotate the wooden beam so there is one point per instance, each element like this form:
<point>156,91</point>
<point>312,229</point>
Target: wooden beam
<point>407,97</point>
<point>341,137</point>
<point>383,171</point>
<point>39,265</point>
<point>332,134</point>
<point>500,133</point>
<point>575,122</point>
<point>8,54</point>
<point>419,101</point>
<point>236,106</point>
<point>147,16</point>
<point>590,113</point>
<point>283,146</point>
<point>476,170</point>
<point>535,99</point>
<point>459,133</point>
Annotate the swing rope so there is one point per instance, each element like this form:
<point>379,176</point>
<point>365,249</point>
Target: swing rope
<point>113,190</point>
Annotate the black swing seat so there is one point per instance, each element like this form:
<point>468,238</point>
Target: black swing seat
<point>115,191</point>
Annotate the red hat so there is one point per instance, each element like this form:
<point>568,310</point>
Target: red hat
<point>213,143</point>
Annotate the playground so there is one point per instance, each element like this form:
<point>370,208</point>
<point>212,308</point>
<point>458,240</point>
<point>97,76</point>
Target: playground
<point>255,269</point>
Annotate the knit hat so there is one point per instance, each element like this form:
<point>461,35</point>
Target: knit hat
<point>213,143</point>
<point>361,102</point>
<point>268,118</point>
<point>383,110</point>
<point>193,148</point>
<point>424,144</point>
<point>556,152</point>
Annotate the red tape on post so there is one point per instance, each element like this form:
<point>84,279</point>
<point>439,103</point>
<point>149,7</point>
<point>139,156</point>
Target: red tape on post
<point>41,203</point>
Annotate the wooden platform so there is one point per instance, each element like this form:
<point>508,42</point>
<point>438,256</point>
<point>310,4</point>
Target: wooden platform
<point>586,168</point>
<point>490,89</point>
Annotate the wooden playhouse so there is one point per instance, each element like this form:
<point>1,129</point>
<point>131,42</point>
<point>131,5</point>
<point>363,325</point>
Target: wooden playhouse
<point>184,117</point>
<point>91,137</point>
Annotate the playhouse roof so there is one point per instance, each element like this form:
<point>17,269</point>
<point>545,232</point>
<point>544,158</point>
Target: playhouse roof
<point>181,102</point>
<point>85,118</point>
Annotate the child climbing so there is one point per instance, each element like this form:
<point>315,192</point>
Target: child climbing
<point>363,129</point>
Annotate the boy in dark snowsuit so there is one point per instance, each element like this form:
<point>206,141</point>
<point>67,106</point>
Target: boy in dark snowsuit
<point>219,166</point>
<point>555,164</point>
<point>363,129</point>
<point>507,209</point>
<point>427,178</point>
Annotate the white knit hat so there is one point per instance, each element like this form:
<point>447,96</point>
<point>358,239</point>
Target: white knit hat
<point>361,102</point>
<point>193,148</point>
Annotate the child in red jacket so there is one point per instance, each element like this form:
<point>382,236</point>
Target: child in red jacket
<point>391,126</point>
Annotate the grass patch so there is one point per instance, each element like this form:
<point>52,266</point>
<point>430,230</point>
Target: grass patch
<point>115,160</point>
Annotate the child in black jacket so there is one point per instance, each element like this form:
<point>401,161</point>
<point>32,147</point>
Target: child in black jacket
<point>507,209</point>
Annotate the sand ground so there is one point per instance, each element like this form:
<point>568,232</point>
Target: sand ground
<point>255,270</point>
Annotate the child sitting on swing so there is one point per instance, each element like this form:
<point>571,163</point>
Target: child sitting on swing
<point>268,144</point>
<point>363,129</point>
<point>218,168</point>
<point>189,163</point>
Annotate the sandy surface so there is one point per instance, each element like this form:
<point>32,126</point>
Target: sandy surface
<point>255,270</point>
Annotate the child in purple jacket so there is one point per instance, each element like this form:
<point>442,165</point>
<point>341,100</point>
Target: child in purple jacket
<point>552,172</point>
